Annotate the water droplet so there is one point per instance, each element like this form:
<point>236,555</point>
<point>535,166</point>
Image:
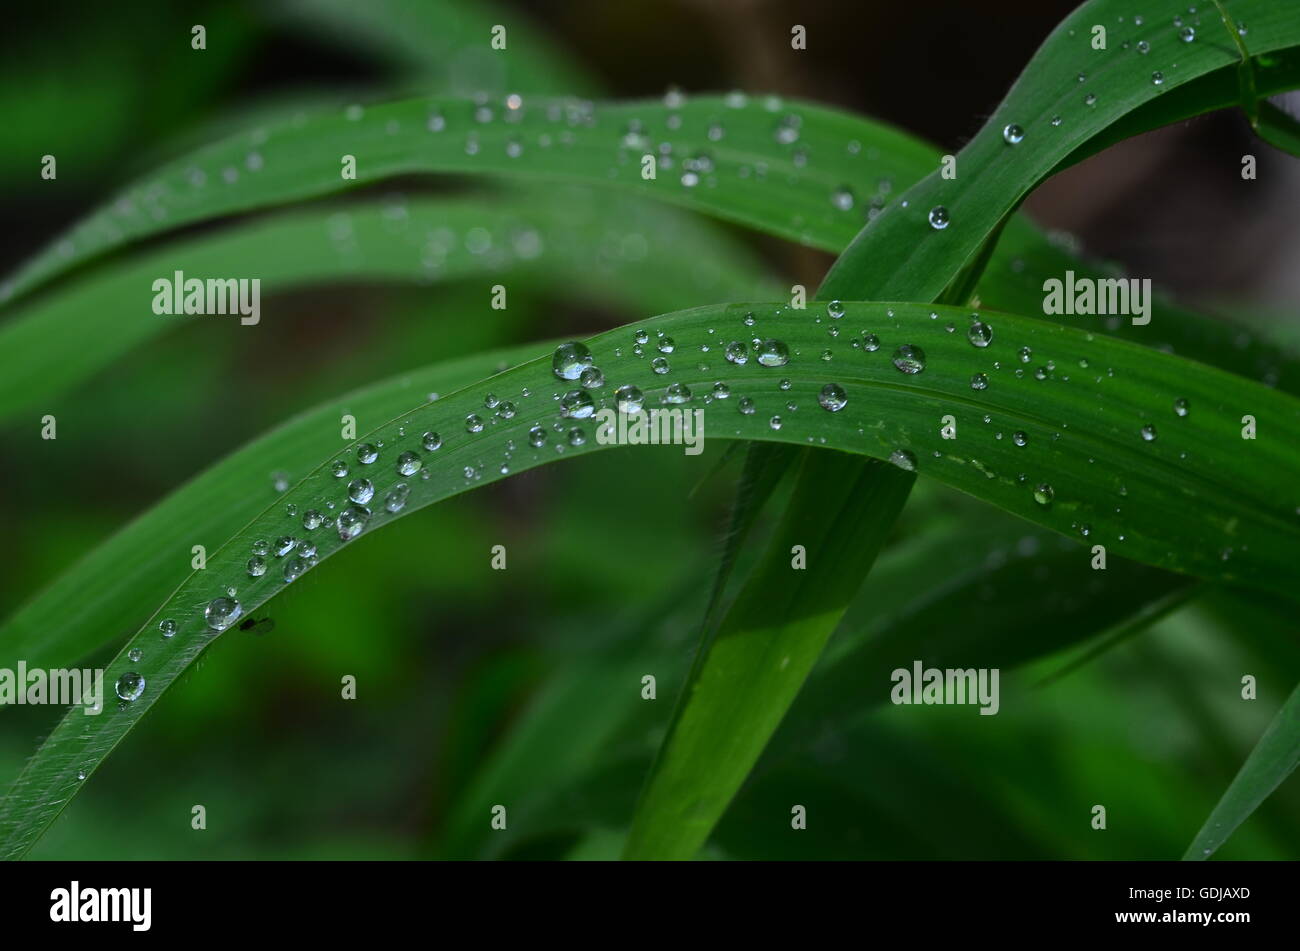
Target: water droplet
<point>909,359</point>
<point>396,499</point>
<point>660,365</point>
<point>1044,493</point>
<point>721,391</point>
<point>129,687</point>
<point>222,612</point>
<point>774,422</point>
<point>979,381</point>
<point>904,459</point>
<point>835,309</point>
<point>352,521</point>
<point>294,569</point>
<point>980,334</point>
<point>736,352</point>
<point>577,404</point>
<point>576,437</point>
<point>1157,78</point>
<point>870,343</point>
<point>1019,438</point>
<point>284,544</point>
<point>408,463</point>
<point>536,437</point>
<point>1187,34</point>
<point>1056,120</point>
<point>312,520</point>
<point>134,655</point>
<point>1013,134</point>
<point>832,398</point>
<point>1090,100</point>
<point>938,217</point>
<point>842,198</point>
<point>1143,47</point>
<point>340,469</point>
<point>167,628</point>
<point>366,454</point>
<point>1181,407</point>
<point>1149,433</point>
<point>256,566</point>
<point>81,774</point>
<point>629,398</point>
<point>787,129</point>
<point>592,378</point>
<point>677,393</point>
<point>361,491</point>
<point>569,360</point>
<point>474,423</point>
<point>431,442</point>
<point>772,353</point>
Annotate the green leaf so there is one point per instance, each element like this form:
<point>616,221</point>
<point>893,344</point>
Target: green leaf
<point>1082,438</point>
<point>1273,759</point>
<point>570,241</point>
<point>747,675</point>
<point>993,176</point>
<point>565,140</point>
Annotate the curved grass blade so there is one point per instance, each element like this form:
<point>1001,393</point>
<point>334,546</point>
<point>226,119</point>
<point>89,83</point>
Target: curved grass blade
<point>1273,759</point>
<point>1048,115</point>
<point>565,140</point>
<point>747,675</point>
<point>1171,514</point>
<point>570,240</point>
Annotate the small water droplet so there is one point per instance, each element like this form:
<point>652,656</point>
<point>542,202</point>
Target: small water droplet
<point>1157,78</point>
<point>134,655</point>
<point>1181,407</point>
<point>979,381</point>
<point>835,309</point>
<point>256,567</point>
<point>1019,438</point>
<point>980,334</point>
<point>352,521</point>
<point>1013,134</point>
<point>1187,34</point>
<point>474,423</point>
<point>167,628</point>
<point>1149,433</point>
<point>312,520</point>
<point>772,353</point>
<point>340,469</point>
<point>1044,493</point>
<point>361,491</point>
<point>938,217</point>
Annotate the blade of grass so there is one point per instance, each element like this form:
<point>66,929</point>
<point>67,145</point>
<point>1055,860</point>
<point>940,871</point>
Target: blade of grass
<point>1171,516</point>
<point>571,241</point>
<point>748,674</point>
<point>1272,760</point>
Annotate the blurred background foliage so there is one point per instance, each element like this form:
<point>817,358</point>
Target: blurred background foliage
<point>522,686</point>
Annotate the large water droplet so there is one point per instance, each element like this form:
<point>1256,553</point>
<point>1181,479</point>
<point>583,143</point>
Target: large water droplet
<point>1044,493</point>
<point>904,459</point>
<point>431,442</point>
<point>366,454</point>
<point>352,521</point>
<point>630,399</point>
<point>256,566</point>
<point>167,628</point>
<point>222,612</point>
<point>736,352</point>
<point>1187,34</point>
<point>909,359</point>
<point>570,359</point>
<point>980,334</point>
<point>772,353</point>
<point>832,398</point>
<point>1013,134</point>
<point>577,404</point>
<point>835,309</point>
<point>677,393</point>
<point>361,491</point>
<point>408,463</point>
<point>130,686</point>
